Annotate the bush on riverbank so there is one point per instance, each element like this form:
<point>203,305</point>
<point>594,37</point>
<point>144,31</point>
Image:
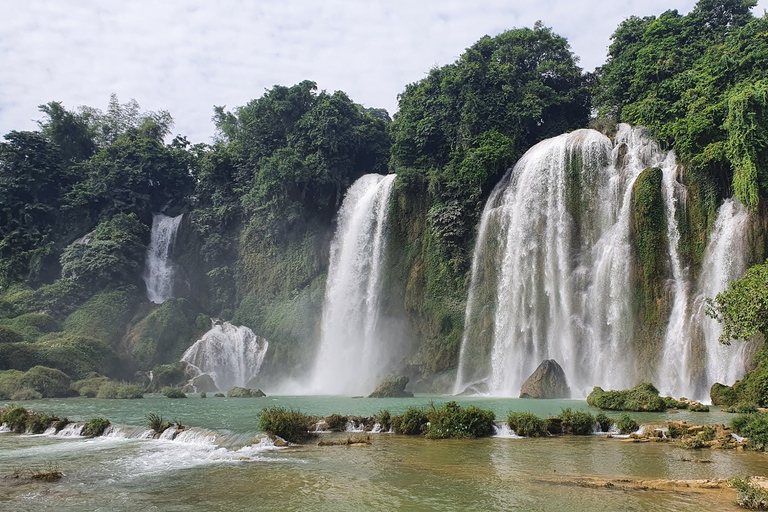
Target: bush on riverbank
<point>750,495</point>
<point>123,390</point>
<point>577,423</point>
<point>451,421</point>
<point>173,393</point>
<point>293,426</point>
<point>95,427</point>
<point>527,424</point>
<point>755,427</point>
<point>626,425</point>
<point>20,420</point>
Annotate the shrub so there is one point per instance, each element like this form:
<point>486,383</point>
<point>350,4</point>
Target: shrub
<point>32,325</point>
<point>698,407</point>
<point>671,403</point>
<point>453,421</point>
<point>8,335</point>
<point>755,427</point>
<point>293,426</point>
<point>94,427</point>
<point>750,496</point>
<point>15,418</point>
<point>722,395</point>
<point>742,409</point>
<point>48,382</point>
<point>578,423</point>
<point>413,422</point>
<point>384,418</point>
<point>675,430</point>
<point>626,425</point>
<point>336,422</point>
<point>527,425</point>
<point>39,423</point>
<point>156,423</point>
<point>26,394</point>
<point>89,387</point>
<point>114,389</point>
<point>76,355</point>
<point>173,393</point>
<point>693,443</point>
<point>643,397</point>
<point>604,421</point>
<point>167,375</point>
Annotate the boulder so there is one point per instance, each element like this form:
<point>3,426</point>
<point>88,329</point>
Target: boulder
<point>547,381</point>
<point>204,383</point>
<point>238,392</point>
<point>392,387</point>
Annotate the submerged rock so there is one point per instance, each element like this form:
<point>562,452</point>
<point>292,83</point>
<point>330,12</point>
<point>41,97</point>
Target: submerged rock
<point>204,383</point>
<point>547,381</point>
<point>392,387</point>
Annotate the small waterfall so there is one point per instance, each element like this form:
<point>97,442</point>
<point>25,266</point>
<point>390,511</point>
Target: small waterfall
<point>725,259</point>
<point>158,271</point>
<point>351,357</point>
<point>231,355</point>
<point>551,268</point>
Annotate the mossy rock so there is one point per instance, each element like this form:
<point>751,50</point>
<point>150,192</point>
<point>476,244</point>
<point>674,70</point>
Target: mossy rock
<point>238,392</point>
<point>105,316</point>
<point>643,397</point>
<point>392,387</point>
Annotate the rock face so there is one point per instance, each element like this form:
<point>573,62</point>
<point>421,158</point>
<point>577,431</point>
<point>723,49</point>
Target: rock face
<point>548,381</point>
<point>392,387</point>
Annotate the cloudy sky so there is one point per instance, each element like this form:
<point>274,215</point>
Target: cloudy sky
<point>185,56</point>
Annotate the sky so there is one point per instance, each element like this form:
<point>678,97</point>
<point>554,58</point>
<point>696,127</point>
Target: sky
<point>186,56</point>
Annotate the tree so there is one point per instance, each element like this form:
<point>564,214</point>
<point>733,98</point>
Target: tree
<point>743,308</point>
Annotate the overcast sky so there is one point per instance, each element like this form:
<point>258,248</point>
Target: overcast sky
<point>186,56</point>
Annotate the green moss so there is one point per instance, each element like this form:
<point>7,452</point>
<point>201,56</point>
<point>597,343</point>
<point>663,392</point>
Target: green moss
<point>32,325</point>
<point>750,390</point>
<point>8,335</point>
<point>238,392</point>
<point>77,355</point>
<point>20,356</point>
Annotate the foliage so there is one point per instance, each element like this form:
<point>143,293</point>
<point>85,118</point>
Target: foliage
<point>579,423</point>
<point>8,335</point>
<point>32,325</point>
<point>173,393</point>
<point>626,424</point>
<point>452,421</point>
<point>755,427</point>
<point>156,423</point>
<point>90,386</point>
<point>527,424</point>
<point>94,427</point>
<point>112,254</point>
<point>384,418</point>
<point>15,418</point>
<point>336,423</point>
<point>604,421</point>
<point>643,397</point>
<point>743,308</point>
<point>293,426</point>
<point>751,390</point>
<point>751,496</point>
<point>411,423</point>
<point>238,392</point>
<point>168,375</point>
<point>49,382</point>
<point>114,389</point>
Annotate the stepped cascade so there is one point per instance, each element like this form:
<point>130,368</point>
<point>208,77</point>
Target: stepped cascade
<point>158,269</point>
<point>231,355</point>
<point>552,266</point>
<point>352,356</point>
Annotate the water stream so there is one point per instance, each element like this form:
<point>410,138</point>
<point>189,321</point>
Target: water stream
<point>158,269</point>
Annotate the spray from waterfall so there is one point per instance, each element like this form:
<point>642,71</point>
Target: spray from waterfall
<point>352,356</point>
<point>158,269</point>
<point>551,268</point>
<point>230,355</point>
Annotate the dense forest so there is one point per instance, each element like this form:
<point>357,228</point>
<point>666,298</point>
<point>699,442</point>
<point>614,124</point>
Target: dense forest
<point>78,195</point>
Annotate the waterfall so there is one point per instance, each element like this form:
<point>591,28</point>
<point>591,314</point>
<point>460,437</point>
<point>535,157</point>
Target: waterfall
<point>158,271</point>
<point>352,356</point>
<point>552,263</point>
<point>230,355</point>
<point>725,259</point>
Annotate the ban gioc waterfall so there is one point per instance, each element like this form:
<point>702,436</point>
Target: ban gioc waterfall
<point>552,274</point>
<point>158,269</point>
<point>353,352</point>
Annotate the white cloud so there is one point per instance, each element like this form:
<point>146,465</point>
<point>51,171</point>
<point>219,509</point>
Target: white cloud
<point>187,55</point>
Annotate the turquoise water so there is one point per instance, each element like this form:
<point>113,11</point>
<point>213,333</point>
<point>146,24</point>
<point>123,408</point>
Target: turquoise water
<point>202,472</point>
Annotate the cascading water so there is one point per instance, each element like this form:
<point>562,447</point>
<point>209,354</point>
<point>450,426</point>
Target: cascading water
<point>158,270</point>
<point>725,259</point>
<point>352,356</point>
<point>231,355</point>
<point>551,268</point>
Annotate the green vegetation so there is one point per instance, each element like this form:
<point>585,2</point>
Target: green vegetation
<point>643,397</point>
<point>751,496</point>
<point>293,426</point>
<point>124,390</point>
<point>751,390</point>
<point>755,427</point>
<point>626,424</point>
<point>578,423</point>
<point>238,392</point>
<point>392,387</point>
<point>336,422</point>
<point>94,427</point>
<point>527,425</point>
<point>173,393</point>
<point>452,421</point>
<point>20,420</point>
<point>411,423</point>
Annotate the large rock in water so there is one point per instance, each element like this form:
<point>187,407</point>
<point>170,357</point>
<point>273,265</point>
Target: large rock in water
<point>392,387</point>
<point>548,381</point>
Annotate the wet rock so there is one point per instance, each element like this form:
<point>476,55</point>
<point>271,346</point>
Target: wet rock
<point>392,387</point>
<point>547,381</point>
<point>238,392</point>
<point>204,383</point>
